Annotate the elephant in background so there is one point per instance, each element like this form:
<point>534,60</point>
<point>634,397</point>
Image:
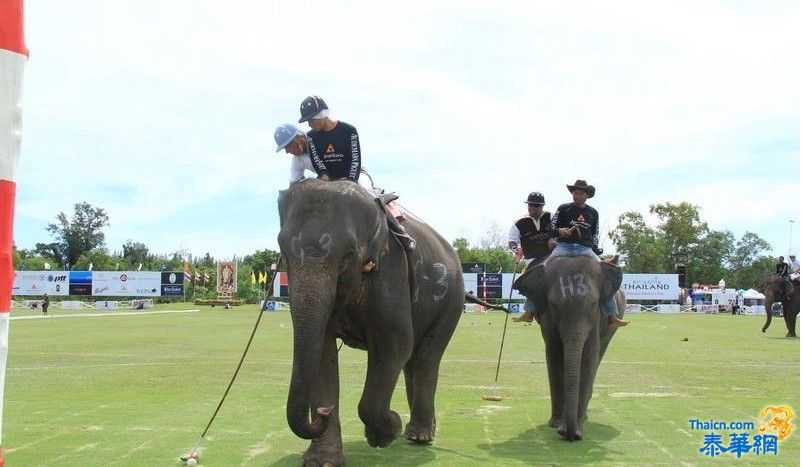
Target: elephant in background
<point>775,288</point>
<point>403,316</point>
<point>570,290</point>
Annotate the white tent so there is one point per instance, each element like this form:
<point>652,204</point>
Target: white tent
<point>753,294</point>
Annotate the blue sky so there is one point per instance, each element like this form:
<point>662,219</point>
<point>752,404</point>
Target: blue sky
<point>163,113</point>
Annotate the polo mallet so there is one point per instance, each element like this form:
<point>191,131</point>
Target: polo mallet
<point>493,396</point>
<point>194,452</point>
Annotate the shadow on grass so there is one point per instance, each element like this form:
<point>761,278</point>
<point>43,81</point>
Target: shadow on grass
<point>400,452</point>
<point>536,444</point>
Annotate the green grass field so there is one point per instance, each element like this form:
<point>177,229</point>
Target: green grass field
<point>138,390</point>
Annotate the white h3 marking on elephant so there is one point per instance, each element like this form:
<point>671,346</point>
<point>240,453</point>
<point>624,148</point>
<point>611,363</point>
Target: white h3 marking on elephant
<point>573,284</point>
<point>319,251</point>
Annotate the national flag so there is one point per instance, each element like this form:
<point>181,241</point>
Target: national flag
<point>253,278</point>
<point>13,55</point>
<point>263,277</point>
<point>197,276</point>
<point>205,278</point>
<point>187,276</point>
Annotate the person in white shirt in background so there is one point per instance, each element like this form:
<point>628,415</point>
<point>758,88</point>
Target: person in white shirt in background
<point>793,263</point>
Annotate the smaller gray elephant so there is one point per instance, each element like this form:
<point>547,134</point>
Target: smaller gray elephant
<point>569,290</point>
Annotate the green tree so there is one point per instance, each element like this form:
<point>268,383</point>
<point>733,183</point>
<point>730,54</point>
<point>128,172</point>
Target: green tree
<point>711,255</point>
<point>134,254</point>
<point>98,258</point>
<point>77,235</point>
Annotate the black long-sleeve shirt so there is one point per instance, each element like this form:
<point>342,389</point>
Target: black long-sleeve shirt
<point>336,153</point>
<point>585,218</point>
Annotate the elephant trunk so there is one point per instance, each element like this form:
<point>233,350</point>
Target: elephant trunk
<point>311,305</point>
<point>572,359</point>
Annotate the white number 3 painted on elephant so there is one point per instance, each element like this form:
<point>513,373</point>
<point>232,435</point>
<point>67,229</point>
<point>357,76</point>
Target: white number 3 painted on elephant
<point>573,284</point>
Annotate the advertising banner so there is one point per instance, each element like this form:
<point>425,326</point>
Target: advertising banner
<point>473,267</point>
<point>40,283</point>
<point>172,284</point>
<point>80,282</point>
<point>488,285</point>
<point>651,286</point>
<point>126,283</point>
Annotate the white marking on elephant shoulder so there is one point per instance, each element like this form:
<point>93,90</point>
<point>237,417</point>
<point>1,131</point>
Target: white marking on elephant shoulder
<point>645,394</point>
<point>85,447</point>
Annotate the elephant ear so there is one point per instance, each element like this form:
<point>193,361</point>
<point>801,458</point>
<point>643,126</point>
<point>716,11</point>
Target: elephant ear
<point>532,285</point>
<point>610,281</point>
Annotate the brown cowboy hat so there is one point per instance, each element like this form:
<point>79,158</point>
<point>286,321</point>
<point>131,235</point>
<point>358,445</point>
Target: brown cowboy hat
<point>582,185</point>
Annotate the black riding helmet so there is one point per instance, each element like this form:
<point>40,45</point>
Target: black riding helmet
<point>310,107</point>
<point>536,198</point>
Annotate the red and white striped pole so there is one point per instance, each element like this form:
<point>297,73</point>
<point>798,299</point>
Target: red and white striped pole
<point>13,56</point>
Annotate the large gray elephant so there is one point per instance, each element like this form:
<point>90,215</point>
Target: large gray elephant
<point>329,232</point>
<point>569,291</point>
<point>775,288</point>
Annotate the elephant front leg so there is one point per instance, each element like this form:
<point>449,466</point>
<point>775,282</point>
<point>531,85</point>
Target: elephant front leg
<point>385,361</point>
<point>421,374</point>
<point>554,366</point>
<point>590,364</point>
<point>328,449</point>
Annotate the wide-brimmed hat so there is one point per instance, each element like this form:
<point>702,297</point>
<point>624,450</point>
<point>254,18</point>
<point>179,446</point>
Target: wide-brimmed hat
<point>582,185</point>
<point>536,198</point>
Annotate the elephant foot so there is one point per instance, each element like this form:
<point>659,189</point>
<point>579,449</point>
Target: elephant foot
<point>764,328</point>
<point>419,434</point>
<point>791,334</point>
<point>383,437</point>
<point>315,457</point>
<point>563,431</point>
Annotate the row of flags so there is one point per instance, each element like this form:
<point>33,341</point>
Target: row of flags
<point>262,279</point>
<point>188,277</point>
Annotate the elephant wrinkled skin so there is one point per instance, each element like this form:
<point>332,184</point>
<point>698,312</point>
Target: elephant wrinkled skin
<point>569,291</point>
<point>329,230</point>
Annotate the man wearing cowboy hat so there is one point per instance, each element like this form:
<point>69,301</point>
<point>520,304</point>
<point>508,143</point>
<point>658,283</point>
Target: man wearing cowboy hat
<point>529,238</point>
<point>333,144</point>
<point>576,227</point>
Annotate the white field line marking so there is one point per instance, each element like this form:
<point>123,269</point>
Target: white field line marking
<point>100,365</point>
<point>645,394</point>
<point>113,313</point>
<point>654,443</point>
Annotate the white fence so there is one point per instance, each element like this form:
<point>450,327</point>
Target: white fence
<point>80,305</point>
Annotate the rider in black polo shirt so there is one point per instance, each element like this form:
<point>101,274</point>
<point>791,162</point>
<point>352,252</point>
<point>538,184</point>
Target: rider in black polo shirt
<point>333,145</point>
<point>576,227</point>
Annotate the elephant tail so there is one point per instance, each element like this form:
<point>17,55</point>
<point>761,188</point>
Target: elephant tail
<point>474,299</point>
